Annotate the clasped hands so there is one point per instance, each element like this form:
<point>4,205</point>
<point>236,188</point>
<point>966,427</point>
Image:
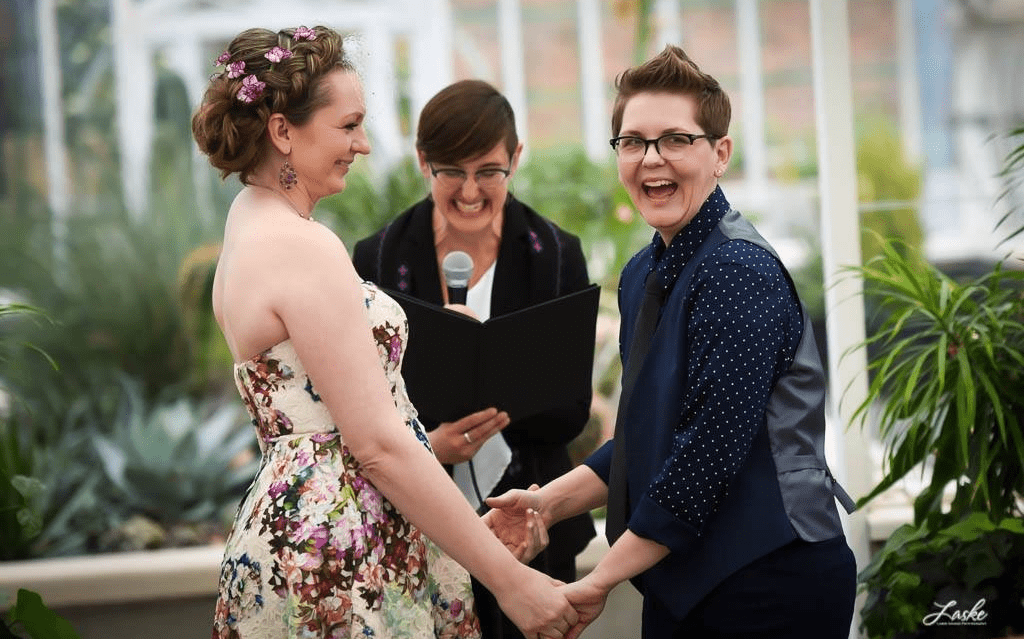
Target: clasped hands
<point>517,519</point>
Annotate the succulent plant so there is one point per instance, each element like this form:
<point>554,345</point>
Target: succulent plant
<point>181,461</point>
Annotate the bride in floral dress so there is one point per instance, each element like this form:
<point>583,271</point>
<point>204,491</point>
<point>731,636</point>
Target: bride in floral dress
<point>337,555</point>
<point>351,527</point>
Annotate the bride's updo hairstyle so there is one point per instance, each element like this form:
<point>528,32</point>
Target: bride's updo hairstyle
<point>263,72</point>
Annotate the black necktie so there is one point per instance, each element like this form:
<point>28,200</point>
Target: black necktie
<point>646,321</point>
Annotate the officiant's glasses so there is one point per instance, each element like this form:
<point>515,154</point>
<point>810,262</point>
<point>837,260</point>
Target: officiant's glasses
<point>484,178</point>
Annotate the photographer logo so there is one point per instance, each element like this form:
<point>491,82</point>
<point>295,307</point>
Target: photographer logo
<point>950,614</point>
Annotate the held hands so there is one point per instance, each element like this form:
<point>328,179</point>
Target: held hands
<point>588,599</point>
<point>535,604</point>
<point>458,441</point>
<point>523,532</point>
<point>512,515</point>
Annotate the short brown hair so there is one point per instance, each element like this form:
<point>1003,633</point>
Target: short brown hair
<point>232,132</point>
<point>465,120</point>
<point>672,71</point>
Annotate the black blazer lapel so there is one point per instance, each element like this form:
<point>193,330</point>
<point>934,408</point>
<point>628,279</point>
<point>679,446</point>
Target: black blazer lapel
<point>415,253</point>
<point>513,280</point>
<point>526,269</point>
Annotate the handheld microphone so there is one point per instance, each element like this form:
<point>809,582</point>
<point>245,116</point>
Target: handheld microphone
<point>458,268</point>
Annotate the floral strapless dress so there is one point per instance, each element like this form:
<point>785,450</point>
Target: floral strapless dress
<point>316,550</point>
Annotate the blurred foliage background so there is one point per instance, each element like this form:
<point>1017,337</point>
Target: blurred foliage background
<point>128,432</point>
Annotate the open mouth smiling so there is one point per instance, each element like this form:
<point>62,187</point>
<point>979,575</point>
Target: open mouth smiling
<point>659,189</point>
<point>469,208</point>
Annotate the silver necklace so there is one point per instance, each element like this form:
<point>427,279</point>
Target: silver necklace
<point>288,201</point>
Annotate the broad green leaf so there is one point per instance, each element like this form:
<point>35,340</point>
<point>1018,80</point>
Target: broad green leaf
<point>1013,524</point>
<point>39,621</point>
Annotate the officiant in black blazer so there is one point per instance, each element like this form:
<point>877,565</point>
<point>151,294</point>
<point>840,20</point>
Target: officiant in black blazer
<point>468,150</point>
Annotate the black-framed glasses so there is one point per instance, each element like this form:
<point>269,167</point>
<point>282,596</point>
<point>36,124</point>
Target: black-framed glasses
<point>671,146</point>
<point>484,178</point>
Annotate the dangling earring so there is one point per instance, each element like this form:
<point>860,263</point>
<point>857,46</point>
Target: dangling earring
<point>287,176</point>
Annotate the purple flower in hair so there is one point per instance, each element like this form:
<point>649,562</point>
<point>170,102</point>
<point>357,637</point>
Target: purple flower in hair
<point>277,54</point>
<point>252,89</point>
<point>223,58</point>
<point>236,69</point>
<point>304,33</point>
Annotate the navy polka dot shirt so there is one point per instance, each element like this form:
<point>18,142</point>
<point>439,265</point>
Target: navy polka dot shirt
<point>744,324</point>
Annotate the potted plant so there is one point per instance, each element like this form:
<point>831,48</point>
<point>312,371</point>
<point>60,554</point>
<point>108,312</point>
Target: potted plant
<point>947,366</point>
<point>19,518</point>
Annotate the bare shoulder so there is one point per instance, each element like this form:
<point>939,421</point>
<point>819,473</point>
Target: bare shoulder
<point>312,249</point>
<point>283,243</point>
<point>307,264</point>
<point>273,266</point>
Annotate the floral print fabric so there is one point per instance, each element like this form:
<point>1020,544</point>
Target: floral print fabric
<point>316,550</point>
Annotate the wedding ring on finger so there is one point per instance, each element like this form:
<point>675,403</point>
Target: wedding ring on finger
<point>466,435</point>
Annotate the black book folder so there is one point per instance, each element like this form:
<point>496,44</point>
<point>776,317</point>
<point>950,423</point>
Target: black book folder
<point>526,362</point>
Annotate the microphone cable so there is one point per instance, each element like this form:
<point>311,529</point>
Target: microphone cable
<point>476,487</point>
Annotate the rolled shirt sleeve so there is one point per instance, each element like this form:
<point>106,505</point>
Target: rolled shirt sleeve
<point>600,461</point>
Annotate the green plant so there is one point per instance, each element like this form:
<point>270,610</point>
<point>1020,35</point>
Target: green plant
<point>50,492</point>
<point>20,508</point>
<point>29,618</point>
<point>178,463</point>
<point>949,378</point>
<point>114,293</point>
<point>119,309</point>
<point>166,473</point>
<point>919,571</point>
<point>21,517</point>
